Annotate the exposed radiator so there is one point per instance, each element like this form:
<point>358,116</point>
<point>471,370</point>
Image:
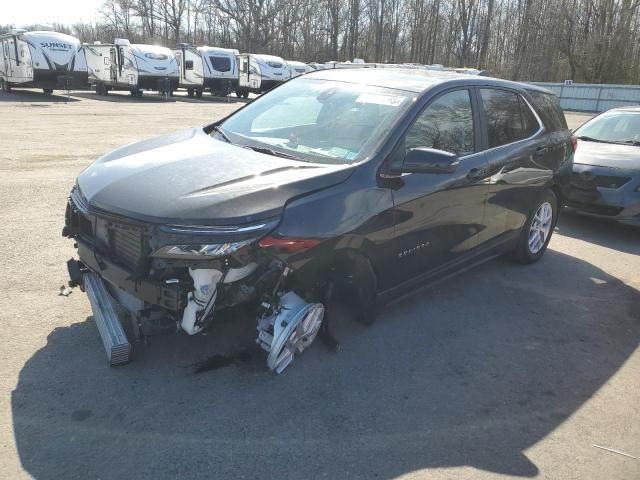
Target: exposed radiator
<point>113,336</point>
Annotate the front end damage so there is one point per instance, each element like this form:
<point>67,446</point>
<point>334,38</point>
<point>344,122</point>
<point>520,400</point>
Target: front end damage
<point>151,278</point>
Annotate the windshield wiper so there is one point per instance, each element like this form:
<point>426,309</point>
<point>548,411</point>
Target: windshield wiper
<point>270,151</point>
<point>222,134</point>
<point>591,139</point>
<point>631,142</point>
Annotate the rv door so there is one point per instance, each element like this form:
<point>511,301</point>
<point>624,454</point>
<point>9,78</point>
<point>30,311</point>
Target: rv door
<point>114,65</point>
<point>244,72</point>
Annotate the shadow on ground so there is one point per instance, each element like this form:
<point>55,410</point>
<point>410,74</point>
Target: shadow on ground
<point>617,236</point>
<point>471,372</point>
<point>37,96</point>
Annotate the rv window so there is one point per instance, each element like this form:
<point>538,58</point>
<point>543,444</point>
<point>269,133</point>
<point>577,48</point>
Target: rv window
<point>221,64</point>
<point>22,51</point>
<point>188,64</point>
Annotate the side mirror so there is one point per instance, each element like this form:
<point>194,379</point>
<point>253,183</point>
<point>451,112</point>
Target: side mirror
<point>429,160</point>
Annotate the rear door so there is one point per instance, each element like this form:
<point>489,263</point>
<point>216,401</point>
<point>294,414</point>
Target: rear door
<point>516,151</point>
<point>439,217</point>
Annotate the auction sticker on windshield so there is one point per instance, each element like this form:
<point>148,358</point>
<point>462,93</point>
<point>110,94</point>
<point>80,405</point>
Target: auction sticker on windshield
<point>380,99</point>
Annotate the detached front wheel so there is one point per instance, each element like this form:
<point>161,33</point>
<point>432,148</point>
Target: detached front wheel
<point>537,231</point>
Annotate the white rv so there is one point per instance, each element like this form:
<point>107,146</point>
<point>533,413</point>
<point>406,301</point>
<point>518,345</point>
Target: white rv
<point>259,73</point>
<point>298,68</point>
<point>134,67</point>
<point>220,69</point>
<point>191,67</point>
<point>47,60</point>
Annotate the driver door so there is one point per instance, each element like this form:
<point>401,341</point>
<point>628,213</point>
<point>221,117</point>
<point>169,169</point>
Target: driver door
<point>440,216</point>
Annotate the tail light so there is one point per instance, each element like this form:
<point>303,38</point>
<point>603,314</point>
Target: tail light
<point>574,143</point>
<point>288,245</point>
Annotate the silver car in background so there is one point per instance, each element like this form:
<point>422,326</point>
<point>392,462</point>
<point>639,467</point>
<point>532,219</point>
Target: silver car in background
<point>606,167</point>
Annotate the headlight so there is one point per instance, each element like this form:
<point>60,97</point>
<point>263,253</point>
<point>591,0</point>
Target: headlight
<point>201,252</point>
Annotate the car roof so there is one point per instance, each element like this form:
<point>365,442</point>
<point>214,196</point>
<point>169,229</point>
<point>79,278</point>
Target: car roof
<point>628,108</point>
<point>412,79</point>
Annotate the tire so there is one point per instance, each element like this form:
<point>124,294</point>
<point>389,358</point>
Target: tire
<point>139,94</point>
<point>537,230</point>
<point>245,94</point>
<point>190,92</point>
<point>199,93</point>
<point>48,91</point>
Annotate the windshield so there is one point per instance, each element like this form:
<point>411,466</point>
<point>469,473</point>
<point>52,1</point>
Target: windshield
<point>614,127</point>
<point>319,121</point>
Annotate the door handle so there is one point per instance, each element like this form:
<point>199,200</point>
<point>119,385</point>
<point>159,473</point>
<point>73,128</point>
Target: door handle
<point>476,173</point>
<point>541,151</point>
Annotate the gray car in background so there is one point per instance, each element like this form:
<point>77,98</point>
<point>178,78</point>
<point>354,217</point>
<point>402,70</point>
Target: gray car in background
<point>606,167</point>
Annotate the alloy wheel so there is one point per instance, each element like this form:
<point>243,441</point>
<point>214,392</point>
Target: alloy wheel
<point>540,227</point>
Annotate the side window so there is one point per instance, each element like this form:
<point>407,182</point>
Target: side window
<point>530,124</point>
<point>509,118</point>
<point>188,65</point>
<point>446,124</point>
<point>548,107</point>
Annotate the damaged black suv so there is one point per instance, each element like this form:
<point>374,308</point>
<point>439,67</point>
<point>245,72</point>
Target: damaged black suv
<point>343,185</point>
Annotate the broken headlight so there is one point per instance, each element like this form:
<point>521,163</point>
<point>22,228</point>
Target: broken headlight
<point>201,252</point>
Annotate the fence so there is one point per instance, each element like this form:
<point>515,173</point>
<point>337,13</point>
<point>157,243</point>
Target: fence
<point>590,97</point>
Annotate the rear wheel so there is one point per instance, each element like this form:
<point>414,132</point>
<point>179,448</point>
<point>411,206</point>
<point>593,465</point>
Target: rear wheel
<point>190,92</point>
<point>48,91</point>
<point>199,93</point>
<point>537,231</point>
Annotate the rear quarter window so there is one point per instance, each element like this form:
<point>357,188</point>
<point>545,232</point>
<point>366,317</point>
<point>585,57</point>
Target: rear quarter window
<point>548,108</point>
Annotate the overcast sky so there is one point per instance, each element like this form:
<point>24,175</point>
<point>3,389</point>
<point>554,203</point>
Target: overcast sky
<point>26,12</point>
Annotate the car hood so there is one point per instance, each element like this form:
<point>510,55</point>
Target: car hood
<point>189,177</point>
<point>626,157</point>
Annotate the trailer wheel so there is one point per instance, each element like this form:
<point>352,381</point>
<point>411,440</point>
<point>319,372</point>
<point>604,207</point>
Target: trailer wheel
<point>238,93</point>
<point>199,93</point>
<point>190,92</point>
<point>139,94</point>
<point>245,94</point>
<point>48,91</point>
<point>100,89</point>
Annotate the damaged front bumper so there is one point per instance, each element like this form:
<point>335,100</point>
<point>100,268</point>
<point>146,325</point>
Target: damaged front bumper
<point>119,270</point>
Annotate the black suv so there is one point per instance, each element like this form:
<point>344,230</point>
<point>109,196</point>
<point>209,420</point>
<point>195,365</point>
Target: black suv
<point>342,185</point>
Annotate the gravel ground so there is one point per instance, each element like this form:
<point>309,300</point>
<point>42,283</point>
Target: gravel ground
<point>521,378</point>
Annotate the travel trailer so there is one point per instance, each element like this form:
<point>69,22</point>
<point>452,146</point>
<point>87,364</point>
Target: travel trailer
<point>220,69</point>
<point>207,68</point>
<point>134,67</point>
<point>191,67</point>
<point>298,68</point>
<point>46,60</point>
<point>260,73</point>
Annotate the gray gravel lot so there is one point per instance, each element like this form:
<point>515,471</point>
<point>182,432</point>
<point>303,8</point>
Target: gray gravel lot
<point>520,378</point>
